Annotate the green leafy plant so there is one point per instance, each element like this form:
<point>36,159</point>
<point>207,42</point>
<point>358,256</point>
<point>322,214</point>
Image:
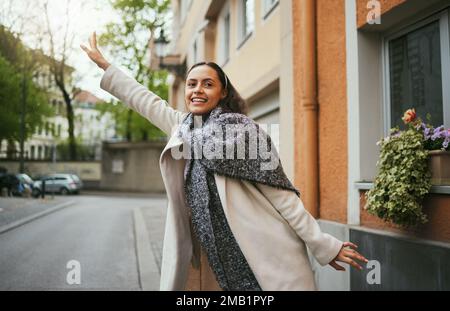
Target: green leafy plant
<point>403,178</point>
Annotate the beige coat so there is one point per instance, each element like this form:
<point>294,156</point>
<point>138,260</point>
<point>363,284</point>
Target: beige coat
<point>271,226</point>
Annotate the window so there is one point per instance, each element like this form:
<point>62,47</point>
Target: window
<point>226,34</point>
<point>60,104</point>
<point>417,72</point>
<point>268,7</point>
<point>246,20</point>
<point>32,155</point>
<point>39,155</point>
<point>46,128</point>
<point>183,6</point>
<point>55,106</point>
<point>195,52</point>
<point>59,130</point>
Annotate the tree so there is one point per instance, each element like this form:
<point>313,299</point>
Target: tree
<point>59,69</point>
<point>128,41</point>
<point>20,96</point>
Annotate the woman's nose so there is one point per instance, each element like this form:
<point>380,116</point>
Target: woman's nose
<point>198,89</point>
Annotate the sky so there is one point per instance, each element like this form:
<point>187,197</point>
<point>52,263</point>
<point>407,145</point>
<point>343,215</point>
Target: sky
<point>86,16</point>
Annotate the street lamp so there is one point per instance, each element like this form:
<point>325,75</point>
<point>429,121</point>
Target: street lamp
<point>161,44</point>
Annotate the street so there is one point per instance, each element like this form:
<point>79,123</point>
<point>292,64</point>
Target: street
<point>98,233</point>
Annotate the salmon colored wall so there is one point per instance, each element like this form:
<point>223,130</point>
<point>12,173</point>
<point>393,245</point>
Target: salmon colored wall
<point>299,131</point>
<point>435,206</point>
<point>362,10</point>
<point>332,98</point>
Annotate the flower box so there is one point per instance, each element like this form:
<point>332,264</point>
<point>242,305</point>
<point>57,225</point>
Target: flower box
<point>439,165</point>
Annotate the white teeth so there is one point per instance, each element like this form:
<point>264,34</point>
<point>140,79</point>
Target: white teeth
<point>199,100</point>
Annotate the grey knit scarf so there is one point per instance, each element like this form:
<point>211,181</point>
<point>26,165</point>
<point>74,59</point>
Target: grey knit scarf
<point>232,145</point>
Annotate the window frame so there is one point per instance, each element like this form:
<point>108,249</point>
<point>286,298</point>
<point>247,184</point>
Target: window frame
<point>443,18</point>
<point>195,51</point>
<point>242,36</point>
<point>268,9</point>
<point>184,7</point>
<point>223,53</point>
<point>227,37</point>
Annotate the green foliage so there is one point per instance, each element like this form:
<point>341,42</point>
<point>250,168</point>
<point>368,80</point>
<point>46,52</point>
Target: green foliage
<point>402,181</point>
<point>11,93</point>
<point>140,128</point>
<point>127,41</point>
<point>84,152</point>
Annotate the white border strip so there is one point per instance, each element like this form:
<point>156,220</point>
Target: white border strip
<point>353,127</point>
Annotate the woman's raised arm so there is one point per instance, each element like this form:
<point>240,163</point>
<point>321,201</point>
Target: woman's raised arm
<point>134,94</point>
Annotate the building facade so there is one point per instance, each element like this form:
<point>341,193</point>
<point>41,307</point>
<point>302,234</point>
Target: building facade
<point>41,145</point>
<point>334,76</point>
<point>91,126</point>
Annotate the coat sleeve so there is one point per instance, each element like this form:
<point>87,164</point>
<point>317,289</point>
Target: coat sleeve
<point>323,246</point>
<point>140,99</point>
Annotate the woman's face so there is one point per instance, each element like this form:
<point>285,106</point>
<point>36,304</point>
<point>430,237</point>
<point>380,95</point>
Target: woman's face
<point>203,90</point>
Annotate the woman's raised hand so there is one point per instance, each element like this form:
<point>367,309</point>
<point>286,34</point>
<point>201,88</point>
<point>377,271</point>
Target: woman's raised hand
<point>348,255</point>
<point>94,54</point>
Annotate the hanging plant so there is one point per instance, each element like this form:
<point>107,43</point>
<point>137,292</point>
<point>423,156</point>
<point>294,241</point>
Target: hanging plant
<point>403,178</point>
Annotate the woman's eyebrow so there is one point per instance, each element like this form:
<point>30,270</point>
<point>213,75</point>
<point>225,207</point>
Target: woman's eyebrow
<point>192,79</point>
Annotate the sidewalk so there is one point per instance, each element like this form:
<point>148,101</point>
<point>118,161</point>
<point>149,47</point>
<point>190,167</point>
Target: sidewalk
<point>16,209</point>
<point>111,193</point>
<point>154,216</point>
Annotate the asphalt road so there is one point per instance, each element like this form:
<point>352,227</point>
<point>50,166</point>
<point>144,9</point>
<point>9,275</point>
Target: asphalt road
<point>97,232</point>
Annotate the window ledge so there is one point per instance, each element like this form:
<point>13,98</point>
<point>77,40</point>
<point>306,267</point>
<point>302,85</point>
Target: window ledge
<point>245,40</point>
<point>438,189</point>
<point>270,10</point>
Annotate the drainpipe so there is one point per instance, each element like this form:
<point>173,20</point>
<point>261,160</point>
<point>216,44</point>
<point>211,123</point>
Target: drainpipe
<point>308,103</point>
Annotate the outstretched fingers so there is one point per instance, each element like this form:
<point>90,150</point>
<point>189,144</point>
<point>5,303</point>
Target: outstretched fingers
<point>93,41</point>
<point>85,48</point>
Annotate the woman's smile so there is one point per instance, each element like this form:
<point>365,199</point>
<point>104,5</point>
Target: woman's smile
<point>199,101</point>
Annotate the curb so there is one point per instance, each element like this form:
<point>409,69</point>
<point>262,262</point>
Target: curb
<point>25,220</point>
<point>147,268</point>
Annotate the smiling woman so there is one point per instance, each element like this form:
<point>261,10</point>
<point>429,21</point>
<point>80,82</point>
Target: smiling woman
<point>233,223</point>
<point>208,86</point>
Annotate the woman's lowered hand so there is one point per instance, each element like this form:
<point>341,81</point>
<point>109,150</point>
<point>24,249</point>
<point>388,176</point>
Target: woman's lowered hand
<point>348,255</point>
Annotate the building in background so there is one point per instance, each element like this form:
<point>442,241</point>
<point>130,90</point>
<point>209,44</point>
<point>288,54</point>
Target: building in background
<point>92,127</point>
<point>335,76</point>
<point>41,145</point>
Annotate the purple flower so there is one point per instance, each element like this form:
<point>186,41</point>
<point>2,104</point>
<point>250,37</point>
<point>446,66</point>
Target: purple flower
<point>426,133</point>
<point>445,144</point>
<point>438,132</point>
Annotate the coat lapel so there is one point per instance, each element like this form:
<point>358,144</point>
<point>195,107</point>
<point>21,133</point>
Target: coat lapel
<point>173,142</point>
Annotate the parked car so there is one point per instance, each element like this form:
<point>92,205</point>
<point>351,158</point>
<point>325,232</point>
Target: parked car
<point>58,183</point>
<point>78,181</point>
<point>16,184</point>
